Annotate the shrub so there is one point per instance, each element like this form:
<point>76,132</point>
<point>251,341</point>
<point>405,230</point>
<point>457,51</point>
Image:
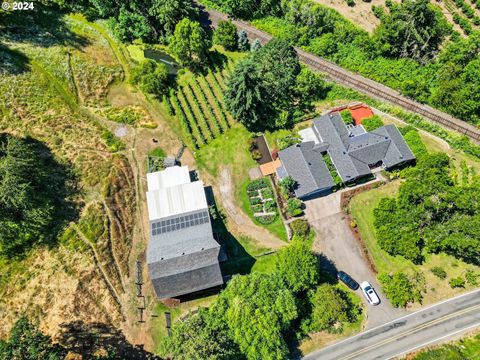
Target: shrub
<point>372,123</point>
<point>287,184</point>
<point>347,117</point>
<point>113,144</point>
<point>267,193</point>
<point>471,277</point>
<point>256,154</point>
<point>266,219</point>
<point>255,200</point>
<point>439,272</point>
<point>151,77</point>
<point>399,288</point>
<point>294,207</point>
<point>257,184</point>
<point>457,282</point>
<point>257,208</point>
<point>414,141</point>
<point>270,205</point>
<point>300,227</point>
<point>287,141</point>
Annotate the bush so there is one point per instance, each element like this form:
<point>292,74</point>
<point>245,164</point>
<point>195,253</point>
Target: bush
<point>399,288</point>
<point>287,185</point>
<point>300,227</point>
<point>256,154</point>
<point>457,282</point>
<point>294,207</point>
<point>266,219</point>
<point>372,123</point>
<point>471,277</point>
<point>267,193</point>
<point>151,77</point>
<point>113,144</point>
<point>257,184</point>
<point>347,117</point>
<point>257,208</point>
<point>270,205</point>
<point>255,200</point>
<point>287,141</point>
<point>414,141</point>
<point>439,272</point>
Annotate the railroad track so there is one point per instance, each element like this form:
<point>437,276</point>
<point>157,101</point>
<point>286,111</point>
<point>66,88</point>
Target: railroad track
<point>355,81</point>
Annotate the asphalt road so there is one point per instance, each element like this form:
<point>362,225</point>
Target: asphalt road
<point>429,326</point>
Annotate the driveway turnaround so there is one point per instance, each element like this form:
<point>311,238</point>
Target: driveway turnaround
<point>335,240</point>
<point>429,326</point>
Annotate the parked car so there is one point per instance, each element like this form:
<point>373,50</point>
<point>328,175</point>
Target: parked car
<point>347,280</point>
<point>370,293</point>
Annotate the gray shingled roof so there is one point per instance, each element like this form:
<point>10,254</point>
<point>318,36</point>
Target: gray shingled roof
<point>184,261</point>
<point>400,152</point>
<point>305,165</point>
<point>352,150</point>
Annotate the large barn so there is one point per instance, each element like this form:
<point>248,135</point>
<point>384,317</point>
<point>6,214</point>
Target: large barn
<point>182,255</point>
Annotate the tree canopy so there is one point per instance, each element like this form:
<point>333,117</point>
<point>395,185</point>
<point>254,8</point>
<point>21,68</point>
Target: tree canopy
<point>151,77</point>
<point>412,29</point>
<point>226,35</point>
<point>189,43</point>
<point>246,96</point>
<point>330,307</point>
<point>202,336</point>
<point>258,308</point>
<point>26,342</point>
<point>268,89</point>
<point>149,20</point>
<point>298,266</point>
<point>33,189</point>
<point>440,218</point>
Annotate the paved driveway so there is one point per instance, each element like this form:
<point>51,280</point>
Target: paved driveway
<point>335,240</point>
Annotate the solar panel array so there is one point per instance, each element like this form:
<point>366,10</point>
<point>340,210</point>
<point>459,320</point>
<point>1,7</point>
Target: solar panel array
<point>181,222</point>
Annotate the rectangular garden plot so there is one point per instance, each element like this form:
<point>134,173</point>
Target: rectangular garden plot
<point>262,201</point>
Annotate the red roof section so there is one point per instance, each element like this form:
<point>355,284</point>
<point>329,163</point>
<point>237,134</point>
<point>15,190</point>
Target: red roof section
<point>360,112</point>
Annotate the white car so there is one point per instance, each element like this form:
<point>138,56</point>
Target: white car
<point>370,294</point>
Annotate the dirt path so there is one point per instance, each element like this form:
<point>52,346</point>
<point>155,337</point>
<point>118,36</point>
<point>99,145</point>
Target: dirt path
<point>243,224</point>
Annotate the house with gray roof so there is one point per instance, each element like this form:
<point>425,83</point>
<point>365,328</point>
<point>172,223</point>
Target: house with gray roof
<point>353,151</point>
<point>182,255</point>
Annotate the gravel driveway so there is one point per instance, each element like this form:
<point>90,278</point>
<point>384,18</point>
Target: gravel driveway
<point>335,240</point>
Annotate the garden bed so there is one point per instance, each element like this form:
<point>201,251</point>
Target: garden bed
<point>262,201</point>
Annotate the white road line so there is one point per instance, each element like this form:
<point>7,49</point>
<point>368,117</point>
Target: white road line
<point>397,319</point>
<point>434,340</point>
